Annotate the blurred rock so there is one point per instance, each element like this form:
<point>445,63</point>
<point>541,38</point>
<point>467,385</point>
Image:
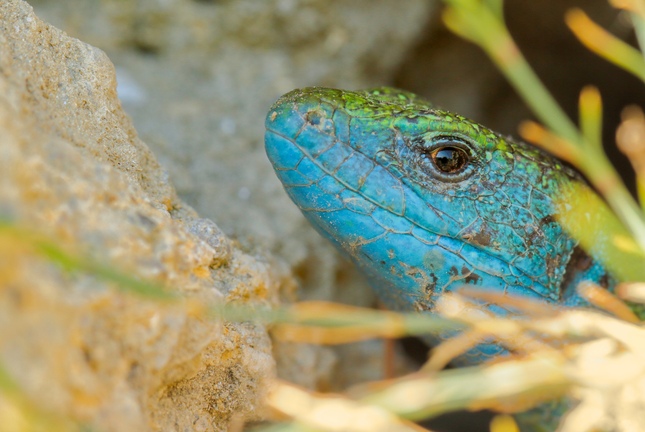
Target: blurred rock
<point>198,78</point>
<point>72,168</point>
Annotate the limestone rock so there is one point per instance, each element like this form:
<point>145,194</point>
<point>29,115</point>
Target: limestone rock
<point>73,169</point>
<point>198,77</point>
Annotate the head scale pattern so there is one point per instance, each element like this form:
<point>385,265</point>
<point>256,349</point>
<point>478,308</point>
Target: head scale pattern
<point>423,200</point>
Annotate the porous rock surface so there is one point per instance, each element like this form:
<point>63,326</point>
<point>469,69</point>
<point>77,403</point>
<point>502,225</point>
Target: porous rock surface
<point>73,170</point>
<point>198,78</point>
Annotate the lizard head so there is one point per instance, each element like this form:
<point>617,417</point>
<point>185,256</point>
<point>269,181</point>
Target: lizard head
<point>423,200</point>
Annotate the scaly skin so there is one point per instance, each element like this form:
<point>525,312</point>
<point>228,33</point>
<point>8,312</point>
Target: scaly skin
<point>360,166</point>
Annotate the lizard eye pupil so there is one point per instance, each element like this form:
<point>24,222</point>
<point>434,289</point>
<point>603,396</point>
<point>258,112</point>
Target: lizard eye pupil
<point>450,160</point>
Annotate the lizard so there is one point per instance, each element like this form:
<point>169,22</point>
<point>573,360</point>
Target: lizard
<point>425,201</point>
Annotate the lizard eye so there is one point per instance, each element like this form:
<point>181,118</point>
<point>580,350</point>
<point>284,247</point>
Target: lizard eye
<point>449,159</point>
<point>446,158</point>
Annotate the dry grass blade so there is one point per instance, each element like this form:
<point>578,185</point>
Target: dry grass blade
<point>592,358</point>
<point>333,323</point>
<point>606,45</point>
<point>307,314</point>
<point>522,304</point>
<point>630,139</point>
<point>587,324</point>
<point>506,386</point>
<point>633,291</point>
<point>451,348</point>
<point>590,113</point>
<point>603,299</point>
<point>559,147</point>
<point>334,412</point>
<point>630,5</point>
<point>510,332</point>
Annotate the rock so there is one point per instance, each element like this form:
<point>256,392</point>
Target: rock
<point>198,78</point>
<point>72,169</point>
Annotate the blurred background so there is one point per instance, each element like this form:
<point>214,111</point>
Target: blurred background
<point>199,76</point>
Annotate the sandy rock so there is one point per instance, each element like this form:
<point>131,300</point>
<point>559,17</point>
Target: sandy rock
<point>198,77</point>
<point>72,168</point>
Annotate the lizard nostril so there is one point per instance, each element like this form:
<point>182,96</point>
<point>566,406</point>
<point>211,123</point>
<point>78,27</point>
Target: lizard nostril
<point>314,117</point>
